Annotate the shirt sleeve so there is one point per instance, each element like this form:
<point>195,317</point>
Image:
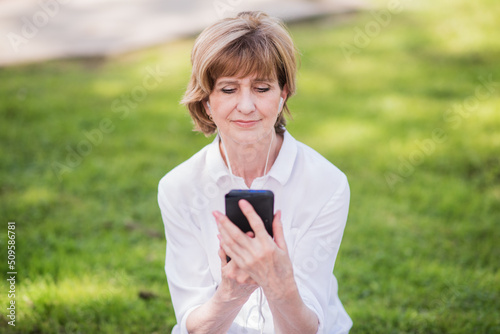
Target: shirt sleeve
<point>186,265</point>
<point>315,254</point>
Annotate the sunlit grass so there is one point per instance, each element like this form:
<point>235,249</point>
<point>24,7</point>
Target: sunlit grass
<point>419,254</point>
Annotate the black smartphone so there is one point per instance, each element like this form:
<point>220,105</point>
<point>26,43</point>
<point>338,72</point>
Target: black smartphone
<point>262,202</point>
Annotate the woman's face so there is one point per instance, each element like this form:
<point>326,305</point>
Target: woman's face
<point>245,109</point>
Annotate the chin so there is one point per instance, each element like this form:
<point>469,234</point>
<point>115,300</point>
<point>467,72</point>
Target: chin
<point>248,137</point>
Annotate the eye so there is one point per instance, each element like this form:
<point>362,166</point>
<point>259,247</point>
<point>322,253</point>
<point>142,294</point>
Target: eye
<point>262,89</point>
<point>228,90</point>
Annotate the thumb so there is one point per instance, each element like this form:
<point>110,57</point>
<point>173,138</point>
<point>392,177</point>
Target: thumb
<point>279,236</point>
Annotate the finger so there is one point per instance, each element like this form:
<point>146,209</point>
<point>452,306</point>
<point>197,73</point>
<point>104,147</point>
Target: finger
<point>224,223</point>
<point>279,235</point>
<point>234,242</point>
<point>222,255</point>
<point>226,227</point>
<point>235,251</point>
<point>253,218</point>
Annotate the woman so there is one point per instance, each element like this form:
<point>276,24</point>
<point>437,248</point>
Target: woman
<point>243,74</point>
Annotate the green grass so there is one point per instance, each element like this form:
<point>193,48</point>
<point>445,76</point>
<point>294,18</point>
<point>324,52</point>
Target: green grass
<point>420,252</point>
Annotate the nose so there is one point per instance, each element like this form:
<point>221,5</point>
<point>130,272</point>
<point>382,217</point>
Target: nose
<point>246,104</point>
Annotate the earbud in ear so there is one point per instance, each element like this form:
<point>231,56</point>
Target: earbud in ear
<point>281,104</point>
<point>209,111</point>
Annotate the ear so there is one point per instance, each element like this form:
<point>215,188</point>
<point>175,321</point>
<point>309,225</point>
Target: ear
<point>284,93</point>
<point>206,105</point>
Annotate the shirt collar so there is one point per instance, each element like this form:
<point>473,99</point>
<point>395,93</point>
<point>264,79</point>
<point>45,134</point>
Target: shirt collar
<point>283,166</point>
<point>216,166</point>
<point>280,171</point>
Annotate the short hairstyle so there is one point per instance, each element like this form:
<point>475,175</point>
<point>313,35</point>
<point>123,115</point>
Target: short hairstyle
<point>252,43</point>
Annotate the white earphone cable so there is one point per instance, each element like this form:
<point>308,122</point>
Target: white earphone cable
<point>273,134</point>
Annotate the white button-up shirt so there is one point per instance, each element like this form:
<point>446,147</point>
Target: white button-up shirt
<point>313,196</point>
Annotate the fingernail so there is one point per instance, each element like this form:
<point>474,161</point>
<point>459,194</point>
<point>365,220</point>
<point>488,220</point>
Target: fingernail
<point>216,214</point>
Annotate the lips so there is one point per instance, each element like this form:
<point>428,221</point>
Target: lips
<point>245,123</point>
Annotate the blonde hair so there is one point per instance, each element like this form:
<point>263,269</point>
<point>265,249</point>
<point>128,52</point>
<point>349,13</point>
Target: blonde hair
<point>252,43</point>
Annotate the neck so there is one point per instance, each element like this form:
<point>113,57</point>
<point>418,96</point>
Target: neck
<point>249,160</point>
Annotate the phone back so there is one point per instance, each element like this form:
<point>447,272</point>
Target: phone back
<point>262,202</point>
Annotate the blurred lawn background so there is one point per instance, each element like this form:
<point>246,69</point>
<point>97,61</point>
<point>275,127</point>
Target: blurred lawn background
<point>405,110</point>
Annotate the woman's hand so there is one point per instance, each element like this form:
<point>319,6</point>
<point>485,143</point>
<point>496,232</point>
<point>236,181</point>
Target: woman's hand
<point>236,283</point>
<point>267,263</point>
<point>264,260</point>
